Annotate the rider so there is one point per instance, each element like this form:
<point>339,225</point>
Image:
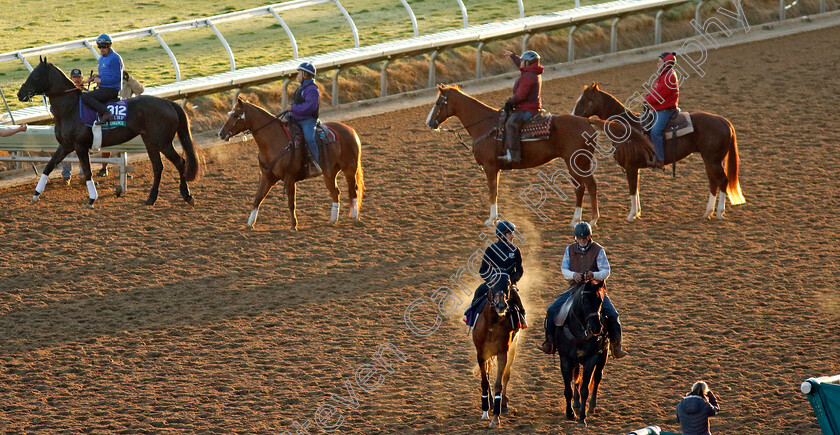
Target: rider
<point>305,111</point>
<point>109,79</point>
<point>501,257</point>
<point>584,260</point>
<point>663,99</point>
<point>525,102</point>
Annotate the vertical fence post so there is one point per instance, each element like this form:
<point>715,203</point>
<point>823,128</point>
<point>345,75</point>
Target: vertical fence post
<point>383,79</point>
<point>521,9</point>
<point>335,86</point>
<point>697,18</point>
<point>169,52</point>
<point>292,39</point>
<point>525,42</point>
<point>464,13</point>
<point>572,43</point>
<point>657,32</point>
<point>781,10</point>
<point>432,69</point>
<point>411,15</point>
<point>224,43</point>
<point>614,35</point>
<point>822,6</point>
<point>478,65</point>
<point>284,98</point>
<point>577,4</point>
<point>350,21</point>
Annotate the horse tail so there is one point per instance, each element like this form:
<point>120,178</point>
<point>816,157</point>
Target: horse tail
<point>730,167</point>
<point>360,174</point>
<point>184,135</point>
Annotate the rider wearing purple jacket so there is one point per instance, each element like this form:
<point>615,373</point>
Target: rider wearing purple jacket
<point>304,110</point>
<point>109,79</point>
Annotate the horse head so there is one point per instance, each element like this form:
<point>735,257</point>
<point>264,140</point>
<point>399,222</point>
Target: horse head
<point>590,101</point>
<point>235,123</point>
<point>586,309</point>
<point>499,293</point>
<point>442,110</point>
<point>44,79</point>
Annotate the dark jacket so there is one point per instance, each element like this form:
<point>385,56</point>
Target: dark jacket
<point>693,414</point>
<point>306,100</point>
<point>526,90</point>
<point>501,257</point>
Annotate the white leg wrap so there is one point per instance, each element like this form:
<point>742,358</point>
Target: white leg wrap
<point>334,212</point>
<point>253,217</point>
<point>710,206</point>
<point>97,137</point>
<point>354,208</point>
<point>42,183</point>
<point>485,415</point>
<point>638,204</point>
<point>633,209</point>
<point>721,207</point>
<point>577,215</point>
<point>494,212</point>
<point>92,190</point>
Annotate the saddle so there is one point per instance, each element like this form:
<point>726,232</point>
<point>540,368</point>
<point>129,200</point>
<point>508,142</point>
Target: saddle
<point>536,128</point>
<point>118,108</point>
<point>679,125</point>
<point>323,135</point>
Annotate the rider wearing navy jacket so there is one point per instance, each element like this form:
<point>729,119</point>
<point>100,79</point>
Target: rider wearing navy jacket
<point>304,110</point>
<point>109,79</point>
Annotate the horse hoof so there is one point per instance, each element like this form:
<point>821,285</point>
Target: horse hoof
<point>489,222</point>
<point>118,191</point>
<point>485,415</point>
<point>190,200</point>
<point>507,410</point>
<point>720,217</point>
<point>150,202</point>
<point>333,221</point>
<point>34,199</point>
<point>571,416</point>
<point>582,423</point>
<point>495,422</point>
<point>89,204</point>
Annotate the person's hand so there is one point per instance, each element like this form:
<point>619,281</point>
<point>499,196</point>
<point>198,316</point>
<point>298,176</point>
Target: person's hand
<point>22,127</point>
<point>507,53</point>
<point>590,276</point>
<point>578,277</point>
<point>508,106</point>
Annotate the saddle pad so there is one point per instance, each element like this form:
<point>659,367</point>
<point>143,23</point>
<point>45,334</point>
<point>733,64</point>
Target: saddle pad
<point>118,108</point>
<point>679,125</point>
<point>323,135</point>
<point>536,128</point>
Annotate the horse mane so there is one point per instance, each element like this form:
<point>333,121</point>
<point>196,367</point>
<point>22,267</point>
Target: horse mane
<point>635,149</point>
<point>455,87</point>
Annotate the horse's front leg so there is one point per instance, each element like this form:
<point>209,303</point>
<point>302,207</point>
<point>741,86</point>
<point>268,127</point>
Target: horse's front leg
<point>506,376</point>
<point>633,184</point>
<point>87,174</point>
<point>579,191</point>
<point>596,379</point>
<point>501,363</point>
<point>157,169</point>
<point>592,187</point>
<point>492,173</point>
<point>289,184</point>
<point>585,382</point>
<point>267,180</point>
<point>485,388</point>
<point>566,369</point>
<point>56,158</point>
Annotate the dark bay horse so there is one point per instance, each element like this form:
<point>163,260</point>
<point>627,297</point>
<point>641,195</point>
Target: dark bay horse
<point>713,137</point>
<point>280,161</point>
<point>495,337</point>
<point>582,345</point>
<point>156,120</point>
<point>568,140</point>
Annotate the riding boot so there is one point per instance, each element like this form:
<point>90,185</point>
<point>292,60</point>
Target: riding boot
<point>614,333</point>
<point>106,117</point>
<point>548,344</point>
<point>513,145</point>
<point>516,301</point>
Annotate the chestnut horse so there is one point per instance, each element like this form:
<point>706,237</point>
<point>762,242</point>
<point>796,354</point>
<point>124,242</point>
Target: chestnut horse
<point>281,161</point>
<point>581,343</point>
<point>568,139</point>
<point>495,337</point>
<point>714,137</point>
<point>155,119</point>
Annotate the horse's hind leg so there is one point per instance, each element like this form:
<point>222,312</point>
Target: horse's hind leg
<point>157,169</point>
<point>717,188</point>
<point>485,388</point>
<point>56,158</point>
<point>289,185</point>
<point>332,186</point>
<point>267,180</point>
<point>352,190</point>
<point>592,187</point>
<point>492,174</point>
<point>180,165</point>
<point>506,377</point>
<point>633,184</point>
<point>579,191</point>
<point>87,175</point>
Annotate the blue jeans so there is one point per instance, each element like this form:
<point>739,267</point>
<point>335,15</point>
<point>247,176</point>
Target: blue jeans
<point>662,118</point>
<point>607,308</point>
<point>308,127</point>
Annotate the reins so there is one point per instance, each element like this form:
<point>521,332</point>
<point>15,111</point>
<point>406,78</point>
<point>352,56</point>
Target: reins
<point>457,131</point>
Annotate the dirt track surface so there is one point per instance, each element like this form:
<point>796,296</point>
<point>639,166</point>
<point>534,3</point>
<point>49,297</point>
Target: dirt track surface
<point>169,318</point>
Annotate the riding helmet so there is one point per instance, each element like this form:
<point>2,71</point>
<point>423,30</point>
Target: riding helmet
<point>307,68</point>
<point>529,56</point>
<point>504,227</point>
<point>582,229</point>
<point>103,39</point>
<point>669,56</point>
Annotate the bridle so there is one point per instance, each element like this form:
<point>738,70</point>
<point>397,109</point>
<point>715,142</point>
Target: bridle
<point>239,113</point>
<point>457,131</point>
<point>588,333</point>
<point>492,293</point>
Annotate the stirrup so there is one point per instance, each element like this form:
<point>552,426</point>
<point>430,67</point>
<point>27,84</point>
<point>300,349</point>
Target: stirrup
<point>507,157</point>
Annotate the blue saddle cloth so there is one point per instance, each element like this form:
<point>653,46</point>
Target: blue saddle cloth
<point>118,108</point>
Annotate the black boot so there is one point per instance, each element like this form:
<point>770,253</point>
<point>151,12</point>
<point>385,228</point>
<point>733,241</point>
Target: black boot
<point>614,333</point>
<point>548,344</point>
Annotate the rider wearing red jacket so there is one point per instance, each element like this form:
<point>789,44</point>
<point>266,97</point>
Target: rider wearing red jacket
<point>663,99</point>
<point>525,102</point>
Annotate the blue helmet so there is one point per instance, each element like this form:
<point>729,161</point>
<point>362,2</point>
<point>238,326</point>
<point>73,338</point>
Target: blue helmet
<point>504,227</point>
<point>307,68</point>
<point>103,39</point>
<point>582,229</point>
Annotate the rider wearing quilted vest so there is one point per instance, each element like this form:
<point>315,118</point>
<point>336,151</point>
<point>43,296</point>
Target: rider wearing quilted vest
<point>584,260</point>
<point>305,112</point>
<point>663,99</point>
<point>501,257</point>
<point>108,79</point>
<point>695,408</point>
<point>525,102</point>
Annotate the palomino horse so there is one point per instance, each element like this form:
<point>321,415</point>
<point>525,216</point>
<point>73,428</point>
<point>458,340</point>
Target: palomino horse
<point>582,345</point>
<point>568,140</point>
<point>714,137</point>
<point>495,337</point>
<point>156,121</point>
<point>279,160</point>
